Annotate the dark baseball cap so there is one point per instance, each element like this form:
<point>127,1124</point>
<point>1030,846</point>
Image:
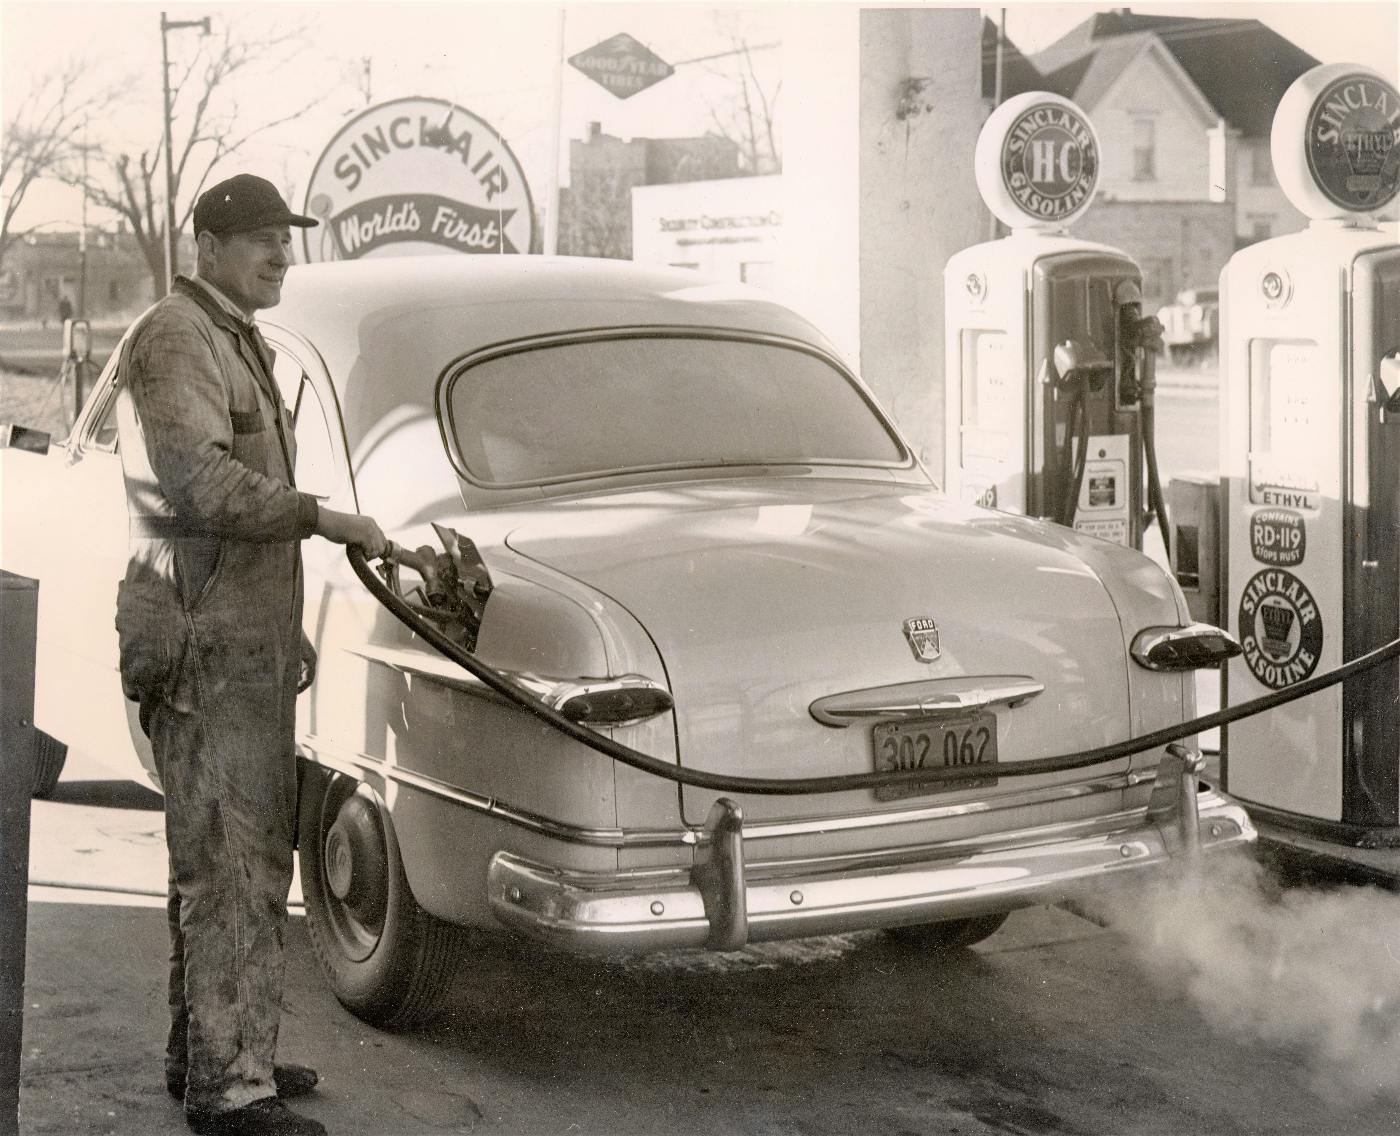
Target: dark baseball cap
<point>243,203</point>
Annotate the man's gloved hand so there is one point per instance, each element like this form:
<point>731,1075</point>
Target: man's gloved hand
<point>308,664</point>
<point>352,528</point>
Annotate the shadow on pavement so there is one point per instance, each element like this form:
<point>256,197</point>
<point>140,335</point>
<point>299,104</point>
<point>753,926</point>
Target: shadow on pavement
<point>107,795</point>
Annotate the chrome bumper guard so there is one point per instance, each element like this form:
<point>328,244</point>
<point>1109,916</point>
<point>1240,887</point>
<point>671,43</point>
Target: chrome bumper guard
<point>721,904</point>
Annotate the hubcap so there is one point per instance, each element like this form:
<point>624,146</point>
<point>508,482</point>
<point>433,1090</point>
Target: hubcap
<point>355,868</point>
<point>339,861</point>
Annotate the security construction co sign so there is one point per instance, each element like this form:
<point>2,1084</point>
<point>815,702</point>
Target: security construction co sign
<point>622,64</point>
<point>417,175</point>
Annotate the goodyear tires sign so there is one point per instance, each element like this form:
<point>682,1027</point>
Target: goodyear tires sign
<point>417,175</point>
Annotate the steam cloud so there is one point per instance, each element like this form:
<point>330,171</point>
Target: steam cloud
<point>1309,971</point>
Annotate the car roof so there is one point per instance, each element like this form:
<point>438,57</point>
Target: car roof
<point>410,317</point>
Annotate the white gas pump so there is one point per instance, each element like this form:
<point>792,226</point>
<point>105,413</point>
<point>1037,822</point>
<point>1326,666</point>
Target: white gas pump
<point>1310,464</point>
<point>1048,379</point>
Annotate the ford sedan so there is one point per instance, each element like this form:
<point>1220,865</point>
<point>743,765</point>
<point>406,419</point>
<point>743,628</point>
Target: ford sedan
<point>706,541</point>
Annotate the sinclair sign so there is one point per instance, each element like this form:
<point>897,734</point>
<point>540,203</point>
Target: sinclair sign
<point>417,175</point>
<point>622,64</point>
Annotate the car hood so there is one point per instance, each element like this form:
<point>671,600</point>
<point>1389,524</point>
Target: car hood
<point>764,598</point>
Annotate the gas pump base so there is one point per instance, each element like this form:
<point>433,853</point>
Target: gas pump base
<point>1297,845</point>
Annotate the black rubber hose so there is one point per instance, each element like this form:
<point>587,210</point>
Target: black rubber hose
<point>1078,428</point>
<point>1148,394</point>
<point>1155,501</point>
<point>796,786</point>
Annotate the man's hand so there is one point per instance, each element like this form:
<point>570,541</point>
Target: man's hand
<point>352,528</point>
<point>308,664</point>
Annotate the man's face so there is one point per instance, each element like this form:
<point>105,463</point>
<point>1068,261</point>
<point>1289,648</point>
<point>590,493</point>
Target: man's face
<point>248,267</point>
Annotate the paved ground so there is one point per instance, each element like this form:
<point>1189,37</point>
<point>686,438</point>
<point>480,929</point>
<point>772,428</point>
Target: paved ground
<point>1232,1010</point>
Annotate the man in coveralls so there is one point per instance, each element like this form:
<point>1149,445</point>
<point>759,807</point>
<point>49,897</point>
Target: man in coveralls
<point>209,621</point>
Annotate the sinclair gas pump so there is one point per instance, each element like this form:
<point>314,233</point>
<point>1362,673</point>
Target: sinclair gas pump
<point>1310,450</point>
<point>1048,378</point>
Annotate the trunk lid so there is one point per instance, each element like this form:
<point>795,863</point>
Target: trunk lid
<point>764,597</point>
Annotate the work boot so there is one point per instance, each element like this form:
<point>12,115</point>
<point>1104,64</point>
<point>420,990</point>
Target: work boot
<point>265,1117</point>
<point>291,1081</point>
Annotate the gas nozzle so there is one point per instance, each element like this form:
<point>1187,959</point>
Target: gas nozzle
<point>455,583</point>
<point>1077,361</point>
<point>1388,382</point>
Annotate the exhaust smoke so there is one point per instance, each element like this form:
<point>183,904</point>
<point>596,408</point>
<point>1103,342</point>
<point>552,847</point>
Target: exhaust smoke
<point>1315,972</point>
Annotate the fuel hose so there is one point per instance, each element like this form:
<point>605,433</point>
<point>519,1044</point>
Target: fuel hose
<point>796,786</point>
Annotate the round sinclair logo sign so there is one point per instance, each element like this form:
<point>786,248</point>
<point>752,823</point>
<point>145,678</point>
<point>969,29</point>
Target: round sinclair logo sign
<point>1351,142</point>
<point>417,175</point>
<point>1050,161</point>
<point>1280,628</point>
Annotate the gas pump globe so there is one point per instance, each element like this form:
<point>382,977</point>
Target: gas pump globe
<point>1310,466</point>
<point>1048,355</point>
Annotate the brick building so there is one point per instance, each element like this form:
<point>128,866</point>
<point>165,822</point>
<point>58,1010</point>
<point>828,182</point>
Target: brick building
<point>41,268</point>
<point>595,210</point>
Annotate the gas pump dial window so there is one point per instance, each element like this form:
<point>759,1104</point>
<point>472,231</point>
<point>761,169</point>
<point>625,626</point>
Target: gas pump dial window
<point>989,411</point>
<point>1283,426</point>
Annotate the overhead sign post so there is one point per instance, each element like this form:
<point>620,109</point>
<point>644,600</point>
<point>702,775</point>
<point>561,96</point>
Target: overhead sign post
<point>622,64</point>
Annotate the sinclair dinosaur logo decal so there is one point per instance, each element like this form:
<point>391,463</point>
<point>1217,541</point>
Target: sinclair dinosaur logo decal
<point>1280,628</point>
<point>1351,142</point>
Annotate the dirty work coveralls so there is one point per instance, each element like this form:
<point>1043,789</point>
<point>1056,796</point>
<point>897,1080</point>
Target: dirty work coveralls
<point>209,622</point>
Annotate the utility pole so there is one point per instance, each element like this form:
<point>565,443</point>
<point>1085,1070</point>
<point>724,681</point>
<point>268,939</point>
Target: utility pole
<point>551,217</point>
<point>83,233</point>
<point>167,26</point>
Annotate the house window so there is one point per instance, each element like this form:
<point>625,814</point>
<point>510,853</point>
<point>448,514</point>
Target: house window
<point>1158,281</point>
<point>1144,149</point>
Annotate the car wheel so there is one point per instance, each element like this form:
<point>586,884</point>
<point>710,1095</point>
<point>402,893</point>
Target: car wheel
<point>385,958</point>
<point>950,934</point>
<point>49,756</point>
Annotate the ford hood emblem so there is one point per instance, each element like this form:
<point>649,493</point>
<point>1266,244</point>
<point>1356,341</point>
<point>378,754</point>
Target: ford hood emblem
<point>922,634</point>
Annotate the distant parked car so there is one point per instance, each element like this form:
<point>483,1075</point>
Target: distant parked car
<point>1191,325</point>
<point>706,542</point>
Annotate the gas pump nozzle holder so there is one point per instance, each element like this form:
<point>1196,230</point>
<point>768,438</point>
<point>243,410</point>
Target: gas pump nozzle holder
<point>1077,361</point>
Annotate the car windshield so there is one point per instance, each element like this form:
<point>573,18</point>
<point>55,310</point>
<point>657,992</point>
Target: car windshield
<point>588,407</point>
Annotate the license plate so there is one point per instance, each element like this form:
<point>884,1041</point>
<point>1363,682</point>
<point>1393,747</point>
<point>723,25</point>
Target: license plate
<point>956,742</point>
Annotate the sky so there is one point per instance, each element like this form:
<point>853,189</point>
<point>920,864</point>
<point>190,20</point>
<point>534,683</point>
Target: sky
<point>498,60</point>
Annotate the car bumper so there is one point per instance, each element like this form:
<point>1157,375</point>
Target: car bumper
<point>722,903</point>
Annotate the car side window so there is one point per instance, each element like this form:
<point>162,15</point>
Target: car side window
<point>315,471</point>
<point>103,436</point>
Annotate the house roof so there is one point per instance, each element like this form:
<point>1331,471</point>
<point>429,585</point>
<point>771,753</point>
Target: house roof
<point>1242,67</point>
<point>1018,74</point>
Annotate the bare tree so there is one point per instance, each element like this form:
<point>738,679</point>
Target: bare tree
<point>748,116</point>
<point>43,136</point>
<point>206,128</point>
<point>596,214</point>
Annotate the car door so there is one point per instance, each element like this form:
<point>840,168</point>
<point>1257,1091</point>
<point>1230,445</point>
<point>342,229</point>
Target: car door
<point>333,719</point>
<point>67,526</point>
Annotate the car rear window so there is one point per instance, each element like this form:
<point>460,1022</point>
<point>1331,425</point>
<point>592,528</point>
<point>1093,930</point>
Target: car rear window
<point>583,408</point>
